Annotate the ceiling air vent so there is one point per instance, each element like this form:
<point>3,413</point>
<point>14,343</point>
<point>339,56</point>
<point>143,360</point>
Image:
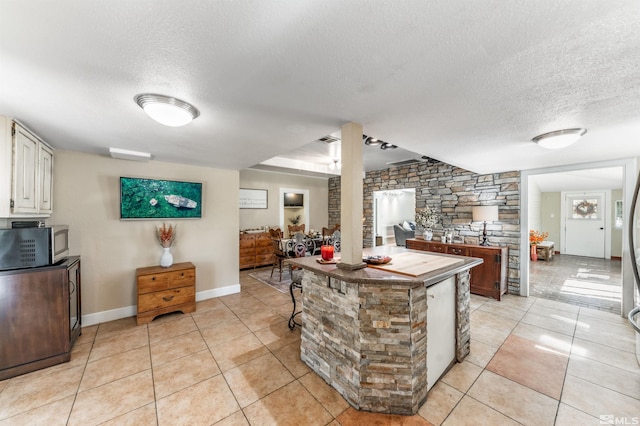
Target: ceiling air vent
<point>404,162</point>
<point>328,139</point>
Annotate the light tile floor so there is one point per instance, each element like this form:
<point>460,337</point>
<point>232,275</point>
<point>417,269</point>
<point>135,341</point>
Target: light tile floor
<point>235,362</point>
<point>578,280</point>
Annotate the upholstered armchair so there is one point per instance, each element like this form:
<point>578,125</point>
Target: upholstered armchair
<point>402,234</point>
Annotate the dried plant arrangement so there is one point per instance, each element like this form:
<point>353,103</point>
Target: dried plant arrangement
<point>166,234</point>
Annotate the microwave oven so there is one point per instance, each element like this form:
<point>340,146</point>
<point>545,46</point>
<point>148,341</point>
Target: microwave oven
<point>33,247</point>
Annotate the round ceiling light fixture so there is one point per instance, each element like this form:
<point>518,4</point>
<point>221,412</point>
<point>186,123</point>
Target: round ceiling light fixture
<point>167,110</point>
<point>559,138</point>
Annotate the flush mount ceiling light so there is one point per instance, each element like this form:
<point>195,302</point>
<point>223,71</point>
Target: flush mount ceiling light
<point>125,154</point>
<point>559,138</point>
<point>167,110</point>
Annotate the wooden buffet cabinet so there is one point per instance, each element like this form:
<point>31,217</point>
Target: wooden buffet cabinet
<point>40,316</point>
<point>163,290</point>
<point>489,278</point>
<point>255,250</point>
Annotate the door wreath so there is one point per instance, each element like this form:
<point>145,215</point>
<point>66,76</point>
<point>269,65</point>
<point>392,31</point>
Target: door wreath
<point>585,208</point>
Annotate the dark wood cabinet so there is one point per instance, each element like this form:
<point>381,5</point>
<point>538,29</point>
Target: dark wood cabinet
<point>40,317</point>
<point>255,250</point>
<point>489,278</point>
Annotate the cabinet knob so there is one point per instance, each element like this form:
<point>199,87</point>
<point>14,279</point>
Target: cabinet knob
<point>153,278</point>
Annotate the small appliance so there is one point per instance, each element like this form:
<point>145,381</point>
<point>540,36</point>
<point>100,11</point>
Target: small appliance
<point>31,247</point>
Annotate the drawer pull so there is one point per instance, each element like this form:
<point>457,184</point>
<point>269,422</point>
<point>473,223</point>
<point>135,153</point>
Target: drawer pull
<point>167,298</point>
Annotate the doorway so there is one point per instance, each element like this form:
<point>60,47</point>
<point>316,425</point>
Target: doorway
<point>529,204</point>
<point>392,207</point>
<point>297,211</point>
<point>585,223</point>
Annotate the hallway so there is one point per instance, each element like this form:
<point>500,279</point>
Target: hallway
<point>577,280</point>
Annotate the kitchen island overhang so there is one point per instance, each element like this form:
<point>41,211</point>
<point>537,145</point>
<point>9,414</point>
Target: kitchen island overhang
<point>365,332</point>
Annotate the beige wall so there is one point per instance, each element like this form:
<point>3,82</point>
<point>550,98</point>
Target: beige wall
<point>550,204</point>
<point>318,199</point>
<point>87,198</point>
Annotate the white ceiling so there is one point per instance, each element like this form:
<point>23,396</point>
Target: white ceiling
<point>468,83</point>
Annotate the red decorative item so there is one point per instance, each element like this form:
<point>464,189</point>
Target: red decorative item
<point>326,252</point>
<point>534,253</point>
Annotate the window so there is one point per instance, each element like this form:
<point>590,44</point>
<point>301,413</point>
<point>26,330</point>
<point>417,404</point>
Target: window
<point>618,214</point>
<point>585,209</point>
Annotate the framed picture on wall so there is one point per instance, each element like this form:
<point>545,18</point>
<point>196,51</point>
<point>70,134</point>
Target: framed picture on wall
<point>159,199</point>
<point>253,198</point>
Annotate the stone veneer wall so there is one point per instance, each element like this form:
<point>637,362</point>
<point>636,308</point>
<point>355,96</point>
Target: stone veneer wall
<point>452,192</point>
<point>369,341</point>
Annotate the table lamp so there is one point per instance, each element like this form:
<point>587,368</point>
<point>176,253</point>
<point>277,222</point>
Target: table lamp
<point>485,214</point>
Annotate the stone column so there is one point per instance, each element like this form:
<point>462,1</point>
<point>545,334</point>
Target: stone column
<point>351,197</point>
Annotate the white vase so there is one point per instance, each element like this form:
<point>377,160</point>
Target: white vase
<point>166,259</point>
<point>428,234</point>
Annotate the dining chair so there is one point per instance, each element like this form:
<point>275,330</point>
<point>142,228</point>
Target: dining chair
<point>334,240</point>
<point>275,233</point>
<point>279,255</point>
<point>327,232</point>
<point>295,228</point>
<point>296,273</point>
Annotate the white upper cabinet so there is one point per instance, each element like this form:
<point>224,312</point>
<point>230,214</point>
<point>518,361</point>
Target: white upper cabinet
<point>26,169</point>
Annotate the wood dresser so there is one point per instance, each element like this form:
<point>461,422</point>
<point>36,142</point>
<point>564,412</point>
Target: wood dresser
<point>163,290</point>
<point>255,250</point>
<point>488,279</point>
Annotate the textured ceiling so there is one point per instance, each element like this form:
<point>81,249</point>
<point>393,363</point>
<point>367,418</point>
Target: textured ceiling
<point>468,83</point>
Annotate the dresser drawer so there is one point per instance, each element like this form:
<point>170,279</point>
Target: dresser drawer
<point>163,281</point>
<point>459,251</point>
<point>165,299</point>
<point>264,259</point>
<point>247,242</point>
<point>264,250</point>
<point>437,248</point>
<point>263,240</point>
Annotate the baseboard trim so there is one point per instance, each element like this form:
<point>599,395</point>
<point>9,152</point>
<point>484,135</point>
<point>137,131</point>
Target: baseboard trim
<point>616,258</point>
<point>130,311</point>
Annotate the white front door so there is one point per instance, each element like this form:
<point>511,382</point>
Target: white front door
<point>585,221</point>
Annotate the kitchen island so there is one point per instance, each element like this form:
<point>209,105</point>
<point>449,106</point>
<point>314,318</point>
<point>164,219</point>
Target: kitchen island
<point>382,336</point>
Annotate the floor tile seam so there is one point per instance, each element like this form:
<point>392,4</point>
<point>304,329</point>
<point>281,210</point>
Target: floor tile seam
<point>57,399</point>
<point>630,352</point>
<point>152,342</point>
<point>548,329</point>
<point>604,344</point>
<point>303,387</point>
<point>208,348</point>
<point>320,402</point>
<point>504,316</point>
<point>602,363</point>
<point>183,357</point>
<point>119,352</point>
<point>75,395</point>
<point>125,331</point>
<point>635,397</point>
<point>488,406</point>
<point>271,392</point>
<point>158,399</point>
<point>153,380</point>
